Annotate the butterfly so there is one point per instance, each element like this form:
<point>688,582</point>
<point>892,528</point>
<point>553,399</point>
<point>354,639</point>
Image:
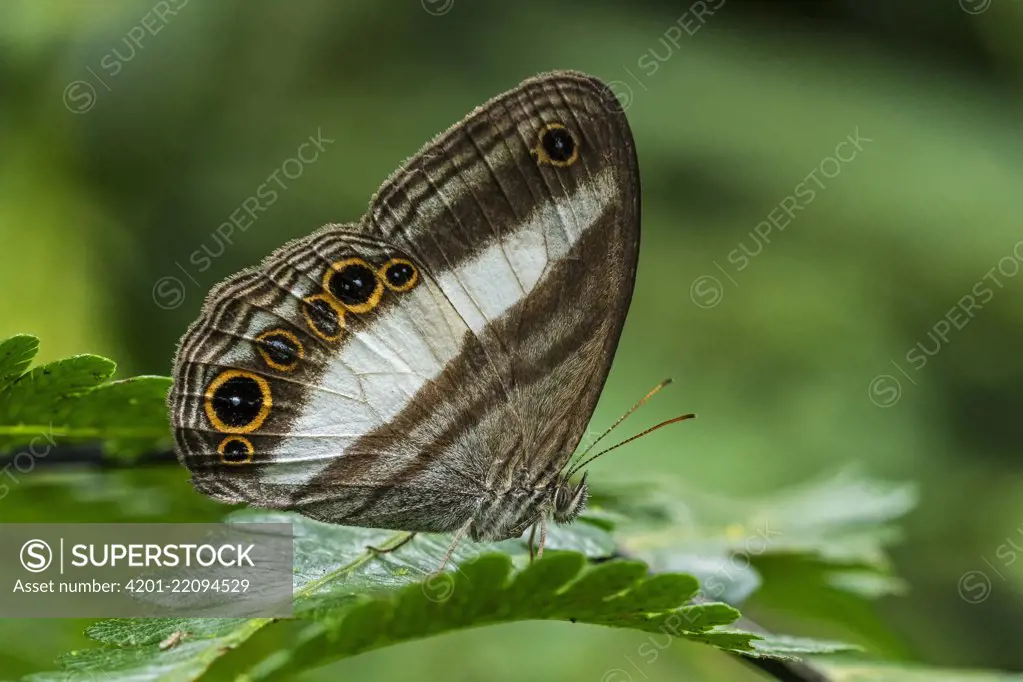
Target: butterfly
<point>432,367</point>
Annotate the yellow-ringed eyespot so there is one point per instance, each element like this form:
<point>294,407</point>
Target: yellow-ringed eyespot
<point>556,146</point>
<point>237,401</point>
<point>236,450</point>
<point>324,316</point>
<point>353,282</point>
<point>281,349</point>
<point>398,274</point>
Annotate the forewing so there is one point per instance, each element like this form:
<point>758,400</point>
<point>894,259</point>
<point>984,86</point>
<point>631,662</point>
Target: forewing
<point>537,255</point>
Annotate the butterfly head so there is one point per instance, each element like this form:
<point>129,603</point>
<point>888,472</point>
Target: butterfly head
<point>570,500</point>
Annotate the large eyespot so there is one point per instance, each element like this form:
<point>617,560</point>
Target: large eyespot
<point>557,146</point>
<point>323,317</point>
<point>399,274</point>
<point>238,401</point>
<point>280,349</point>
<point>236,450</point>
<point>354,283</point>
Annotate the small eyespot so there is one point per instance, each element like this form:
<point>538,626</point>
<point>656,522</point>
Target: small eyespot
<point>281,349</point>
<point>323,316</point>
<point>235,450</point>
<point>399,274</point>
<point>237,401</point>
<point>557,146</point>
<point>354,283</point>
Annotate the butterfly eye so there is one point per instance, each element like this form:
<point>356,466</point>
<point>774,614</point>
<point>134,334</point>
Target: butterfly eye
<point>399,274</point>
<point>323,317</point>
<point>557,146</point>
<point>569,502</point>
<point>236,450</point>
<point>354,283</point>
<point>280,349</point>
<point>237,401</point>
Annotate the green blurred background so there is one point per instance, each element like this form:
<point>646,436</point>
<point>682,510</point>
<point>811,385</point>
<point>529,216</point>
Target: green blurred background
<point>120,156</point>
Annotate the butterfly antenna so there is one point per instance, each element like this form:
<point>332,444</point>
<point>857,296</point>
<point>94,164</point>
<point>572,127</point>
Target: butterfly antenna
<point>629,440</point>
<point>635,407</point>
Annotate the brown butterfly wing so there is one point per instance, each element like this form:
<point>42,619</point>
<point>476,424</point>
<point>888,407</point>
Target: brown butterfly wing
<point>522,223</point>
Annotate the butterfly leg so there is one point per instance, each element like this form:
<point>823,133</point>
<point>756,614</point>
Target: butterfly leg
<point>543,537</point>
<point>388,550</point>
<point>459,534</point>
<point>532,535</point>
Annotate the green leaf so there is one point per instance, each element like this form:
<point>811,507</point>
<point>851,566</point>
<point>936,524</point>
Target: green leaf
<point>16,355</point>
<point>821,592</point>
<point>816,551</point>
<point>843,519</point>
<point>350,600</point>
<point>71,400</point>
<point>845,522</point>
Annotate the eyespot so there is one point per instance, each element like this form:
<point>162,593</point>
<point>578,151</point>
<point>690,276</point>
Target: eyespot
<point>399,274</point>
<point>354,283</point>
<point>557,146</point>
<point>280,349</point>
<point>238,401</point>
<point>324,317</point>
<point>236,450</point>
